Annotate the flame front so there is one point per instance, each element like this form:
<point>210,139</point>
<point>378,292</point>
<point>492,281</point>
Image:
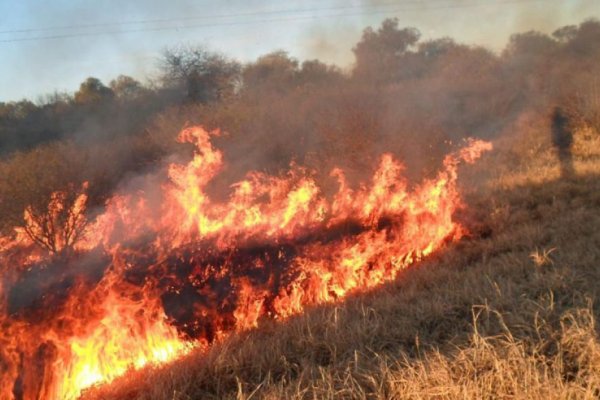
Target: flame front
<point>147,283</point>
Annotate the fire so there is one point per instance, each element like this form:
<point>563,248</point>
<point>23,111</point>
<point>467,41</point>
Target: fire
<point>103,352</point>
<point>144,283</point>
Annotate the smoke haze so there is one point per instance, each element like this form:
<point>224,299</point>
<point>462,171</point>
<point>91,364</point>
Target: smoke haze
<point>244,30</point>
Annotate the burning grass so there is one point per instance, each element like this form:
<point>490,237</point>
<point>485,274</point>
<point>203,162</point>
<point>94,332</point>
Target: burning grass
<point>480,319</point>
<point>153,278</point>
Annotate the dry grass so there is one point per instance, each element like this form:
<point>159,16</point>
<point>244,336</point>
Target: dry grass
<point>506,313</point>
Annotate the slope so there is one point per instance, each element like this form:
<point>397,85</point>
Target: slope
<point>508,311</point>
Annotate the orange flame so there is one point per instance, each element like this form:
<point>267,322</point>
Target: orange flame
<point>315,250</point>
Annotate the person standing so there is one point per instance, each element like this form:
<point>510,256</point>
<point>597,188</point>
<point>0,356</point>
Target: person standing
<point>562,140</point>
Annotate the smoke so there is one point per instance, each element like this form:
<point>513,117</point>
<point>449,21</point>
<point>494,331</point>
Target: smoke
<point>330,43</point>
<point>62,63</point>
<point>288,127</point>
<point>409,98</point>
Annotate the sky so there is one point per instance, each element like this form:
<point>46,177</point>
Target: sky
<point>48,47</point>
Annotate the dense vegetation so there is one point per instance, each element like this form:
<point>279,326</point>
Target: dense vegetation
<point>404,95</point>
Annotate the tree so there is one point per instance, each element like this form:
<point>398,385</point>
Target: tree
<point>314,72</point>
<point>273,72</point>
<point>17,110</point>
<point>126,88</point>
<point>583,42</point>
<point>92,91</point>
<point>203,76</point>
<point>380,54</point>
<point>566,33</point>
<point>433,49</point>
<point>530,46</point>
<point>61,224</point>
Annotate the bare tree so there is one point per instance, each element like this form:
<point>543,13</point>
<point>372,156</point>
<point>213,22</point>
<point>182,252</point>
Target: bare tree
<point>61,224</point>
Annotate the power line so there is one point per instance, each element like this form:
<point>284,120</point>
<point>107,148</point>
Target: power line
<point>291,18</point>
<point>201,17</point>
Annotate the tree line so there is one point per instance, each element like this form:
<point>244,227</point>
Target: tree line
<point>403,94</point>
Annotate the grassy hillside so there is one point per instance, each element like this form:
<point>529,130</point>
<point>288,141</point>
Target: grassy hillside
<point>509,311</point>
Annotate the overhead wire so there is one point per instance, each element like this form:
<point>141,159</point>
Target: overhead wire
<point>208,16</point>
<point>364,11</point>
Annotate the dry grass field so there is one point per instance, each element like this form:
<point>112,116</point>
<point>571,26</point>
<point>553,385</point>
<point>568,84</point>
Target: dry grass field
<point>509,311</point>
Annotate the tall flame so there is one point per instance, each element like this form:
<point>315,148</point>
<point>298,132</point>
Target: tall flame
<point>146,283</point>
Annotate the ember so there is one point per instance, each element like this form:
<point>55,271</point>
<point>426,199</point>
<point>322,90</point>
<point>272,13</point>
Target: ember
<point>146,285</point>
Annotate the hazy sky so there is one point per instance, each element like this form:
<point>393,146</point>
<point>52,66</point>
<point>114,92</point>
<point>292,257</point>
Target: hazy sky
<point>54,45</point>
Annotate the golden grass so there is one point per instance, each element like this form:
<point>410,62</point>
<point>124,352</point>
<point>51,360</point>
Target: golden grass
<point>507,313</point>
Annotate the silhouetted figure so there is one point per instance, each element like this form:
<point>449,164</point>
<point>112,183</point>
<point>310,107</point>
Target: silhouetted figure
<point>562,139</point>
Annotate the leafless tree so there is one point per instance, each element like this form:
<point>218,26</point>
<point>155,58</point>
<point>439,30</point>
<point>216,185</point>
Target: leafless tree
<point>61,224</point>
